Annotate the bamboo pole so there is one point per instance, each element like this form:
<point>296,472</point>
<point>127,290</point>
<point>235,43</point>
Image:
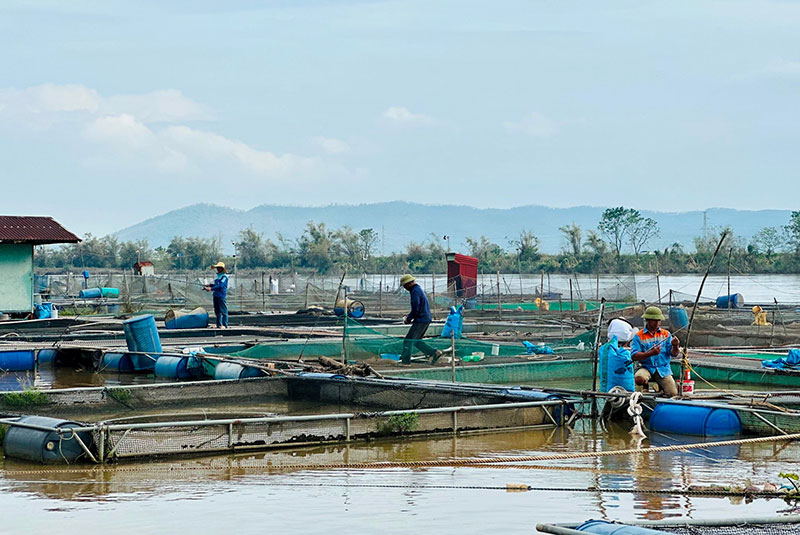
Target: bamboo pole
<point>263,294</point>
<point>596,354</point>
<point>685,358</point>
<point>499,302</point>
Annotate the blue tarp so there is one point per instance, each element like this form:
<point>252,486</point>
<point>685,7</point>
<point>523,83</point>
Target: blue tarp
<point>790,361</point>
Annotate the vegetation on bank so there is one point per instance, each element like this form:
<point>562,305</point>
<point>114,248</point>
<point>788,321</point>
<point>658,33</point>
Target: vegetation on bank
<point>619,244</point>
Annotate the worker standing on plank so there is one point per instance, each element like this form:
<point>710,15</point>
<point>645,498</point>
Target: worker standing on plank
<point>220,294</point>
<point>420,319</point>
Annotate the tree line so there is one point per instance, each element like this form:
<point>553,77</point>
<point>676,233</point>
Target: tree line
<point>617,245</point>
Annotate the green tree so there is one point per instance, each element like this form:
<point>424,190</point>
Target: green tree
<point>315,247</point>
<point>572,235</point>
<point>614,225</point>
<point>640,231</point>
<point>253,249</point>
<point>768,240</point>
<point>793,231</point>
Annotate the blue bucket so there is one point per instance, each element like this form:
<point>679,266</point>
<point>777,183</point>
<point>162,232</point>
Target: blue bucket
<point>604,527</point>
<point>17,360</point>
<point>678,318</point>
<point>736,301</point>
<point>685,419</point>
<point>141,334</point>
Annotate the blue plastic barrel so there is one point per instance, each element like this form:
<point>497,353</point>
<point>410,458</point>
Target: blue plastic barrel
<point>175,367</point>
<point>141,334</point>
<point>685,419</point>
<point>90,293</point>
<point>678,318</point>
<point>116,362</point>
<point>42,446</point>
<point>109,292</point>
<point>605,527</point>
<point>231,370</point>
<point>196,319</point>
<point>17,360</point>
<point>46,356</point>
<point>736,301</point>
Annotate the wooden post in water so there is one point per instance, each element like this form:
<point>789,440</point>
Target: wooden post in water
<point>433,294</point>
<point>541,285</point>
<point>453,355</point>
<point>596,354</point>
<point>499,302</point>
<point>571,308</point>
<point>308,283</point>
<point>263,293</point>
<point>380,299</point>
<point>344,329</point>
<point>597,287</point>
<point>730,251</point>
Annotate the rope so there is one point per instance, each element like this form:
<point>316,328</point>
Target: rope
<point>510,487</point>
<point>482,461</point>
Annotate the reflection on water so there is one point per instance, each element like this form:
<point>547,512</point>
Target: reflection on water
<point>209,495</point>
<point>50,377</point>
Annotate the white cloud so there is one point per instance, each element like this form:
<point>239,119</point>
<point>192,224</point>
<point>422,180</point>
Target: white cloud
<point>64,102</point>
<point>401,114</point>
<point>169,105</point>
<point>533,124</point>
<point>332,145</point>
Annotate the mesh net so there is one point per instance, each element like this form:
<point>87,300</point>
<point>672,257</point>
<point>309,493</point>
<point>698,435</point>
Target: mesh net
<point>741,529</point>
<point>362,342</point>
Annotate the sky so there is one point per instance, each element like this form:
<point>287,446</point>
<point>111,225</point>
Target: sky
<point>113,112</point>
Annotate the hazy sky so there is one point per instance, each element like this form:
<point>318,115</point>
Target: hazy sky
<point>111,112</point>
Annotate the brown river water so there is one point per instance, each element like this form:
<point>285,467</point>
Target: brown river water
<point>260,492</point>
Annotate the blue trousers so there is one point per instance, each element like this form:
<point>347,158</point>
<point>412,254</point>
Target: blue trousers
<point>221,311</point>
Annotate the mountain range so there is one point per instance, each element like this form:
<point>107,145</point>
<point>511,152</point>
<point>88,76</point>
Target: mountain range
<point>399,223</point>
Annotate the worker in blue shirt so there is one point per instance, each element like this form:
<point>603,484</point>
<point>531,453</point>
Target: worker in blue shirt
<point>420,319</point>
<point>220,293</point>
<point>654,347</point>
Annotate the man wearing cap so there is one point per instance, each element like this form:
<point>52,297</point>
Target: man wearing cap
<point>420,319</point>
<point>654,347</point>
<point>220,293</point>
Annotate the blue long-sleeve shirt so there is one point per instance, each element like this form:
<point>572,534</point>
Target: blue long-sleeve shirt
<point>420,309</point>
<point>644,340</point>
<point>220,286</point>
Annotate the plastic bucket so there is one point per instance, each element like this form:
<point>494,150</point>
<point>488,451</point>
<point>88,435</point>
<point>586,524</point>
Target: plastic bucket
<point>17,360</point>
<point>45,447</point>
<point>605,527</point>
<point>141,334</point>
<point>685,419</point>
<point>735,300</point>
<point>678,318</point>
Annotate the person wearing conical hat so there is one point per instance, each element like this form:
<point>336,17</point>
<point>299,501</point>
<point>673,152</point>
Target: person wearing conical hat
<point>654,347</point>
<point>220,295</point>
<point>420,319</point>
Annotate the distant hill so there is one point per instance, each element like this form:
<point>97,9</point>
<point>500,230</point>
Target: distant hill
<point>403,222</point>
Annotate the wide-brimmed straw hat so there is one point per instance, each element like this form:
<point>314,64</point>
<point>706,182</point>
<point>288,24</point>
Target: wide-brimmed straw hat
<point>219,265</point>
<point>405,279</point>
